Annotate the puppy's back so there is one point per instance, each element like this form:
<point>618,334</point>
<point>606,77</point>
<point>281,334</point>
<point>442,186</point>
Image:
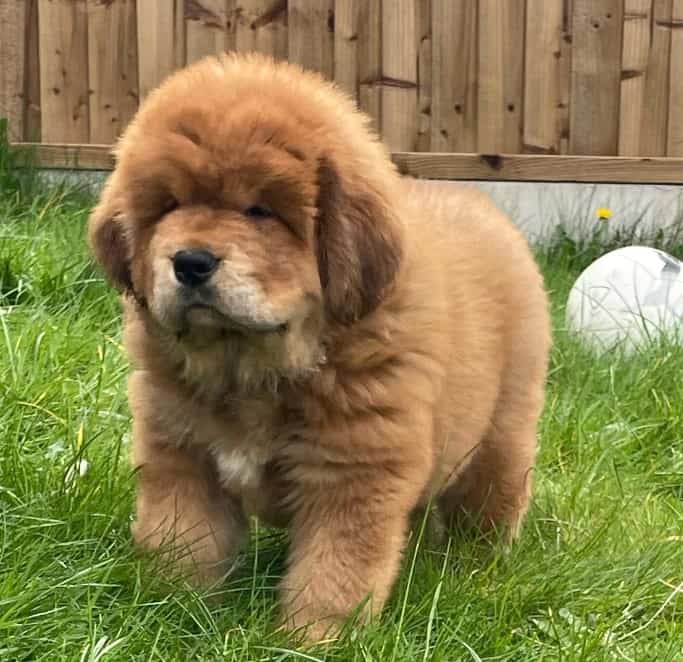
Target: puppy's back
<point>487,298</point>
<point>473,240</point>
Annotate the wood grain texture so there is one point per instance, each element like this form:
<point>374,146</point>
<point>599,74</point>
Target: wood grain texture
<point>501,73</point>
<point>454,75</point>
<point>370,59</point>
<point>596,76</point>
<point>63,30</point>
<point>311,27</point>
<point>490,88</point>
<point>112,67</point>
<point>346,45</point>
<point>65,156</point>
<point>634,59</point>
<point>424,76</point>
<point>398,79</point>
<point>564,75</point>
<point>514,20</point>
<point>508,167</point>
<point>654,121</point>
<point>542,76</point>
<point>205,28</point>
<point>32,115</point>
<point>601,77</point>
<point>260,26</point>
<point>675,131</point>
<point>161,41</point>
<point>13,64</point>
<point>541,168</point>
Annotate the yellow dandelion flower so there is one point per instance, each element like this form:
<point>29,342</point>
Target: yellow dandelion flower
<point>604,213</point>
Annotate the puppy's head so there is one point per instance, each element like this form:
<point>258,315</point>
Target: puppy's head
<point>249,202</point>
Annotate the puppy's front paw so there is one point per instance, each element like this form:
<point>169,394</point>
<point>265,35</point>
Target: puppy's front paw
<point>197,554</point>
<point>309,626</point>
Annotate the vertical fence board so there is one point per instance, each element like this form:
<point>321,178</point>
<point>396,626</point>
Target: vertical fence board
<point>32,119</point>
<point>564,68</point>
<point>424,75</point>
<point>635,52</point>
<point>112,70</point>
<point>454,74</point>
<point>346,45</point>
<point>12,64</point>
<point>399,74</point>
<point>542,76</point>
<point>501,75</point>
<point>514,13</point>
<point>161,47</point>
<point>653,130</point>
<point>596,75</point>
<point>205,28</point>
<point>370,58</point>
<point>490,90</point>
<point>675,131</point>
<point>311,24</point>
<point>260,25</point>
<point>64,70</point>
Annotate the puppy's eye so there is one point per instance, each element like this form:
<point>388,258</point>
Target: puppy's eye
<point>258,211</point>
<point>170,205</point>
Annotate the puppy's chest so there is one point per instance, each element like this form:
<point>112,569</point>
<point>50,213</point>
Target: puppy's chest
<point>240,468</point>
<point>245,440</point>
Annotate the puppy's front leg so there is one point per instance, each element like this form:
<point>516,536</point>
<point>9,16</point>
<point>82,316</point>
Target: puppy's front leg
<point>346,545</point>
<point>182,511</point>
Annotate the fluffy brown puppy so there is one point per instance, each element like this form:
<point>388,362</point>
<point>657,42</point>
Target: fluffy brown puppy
<point>315,340</point>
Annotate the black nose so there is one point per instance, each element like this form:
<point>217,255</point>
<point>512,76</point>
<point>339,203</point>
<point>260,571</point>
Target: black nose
<point>194,267</point>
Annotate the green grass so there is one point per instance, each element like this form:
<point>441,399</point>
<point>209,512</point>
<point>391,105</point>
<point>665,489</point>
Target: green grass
<point>596,576</point>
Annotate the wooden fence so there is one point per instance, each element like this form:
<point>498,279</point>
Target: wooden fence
<point>521,77</point>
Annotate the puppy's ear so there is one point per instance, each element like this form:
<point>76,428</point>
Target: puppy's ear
<point>107,238</point>
<point>358,243</point>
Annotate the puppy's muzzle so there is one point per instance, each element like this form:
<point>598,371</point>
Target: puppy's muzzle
<point>194,267</point>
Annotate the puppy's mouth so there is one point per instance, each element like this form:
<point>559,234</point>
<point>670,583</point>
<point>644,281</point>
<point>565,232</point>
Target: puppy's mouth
<point>206,315</point>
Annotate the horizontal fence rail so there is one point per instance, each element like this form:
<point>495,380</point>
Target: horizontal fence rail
<point>453,166</point>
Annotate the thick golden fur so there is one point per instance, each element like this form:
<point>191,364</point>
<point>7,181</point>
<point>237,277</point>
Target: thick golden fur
<point>372,344</point>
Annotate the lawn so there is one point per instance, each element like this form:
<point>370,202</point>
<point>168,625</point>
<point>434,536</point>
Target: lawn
<point>597,574</point>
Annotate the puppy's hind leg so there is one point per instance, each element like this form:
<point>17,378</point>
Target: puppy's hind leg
<point>495,489</point>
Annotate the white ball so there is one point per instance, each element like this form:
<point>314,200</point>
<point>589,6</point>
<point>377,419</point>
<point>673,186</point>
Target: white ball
<point>627,298</point>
